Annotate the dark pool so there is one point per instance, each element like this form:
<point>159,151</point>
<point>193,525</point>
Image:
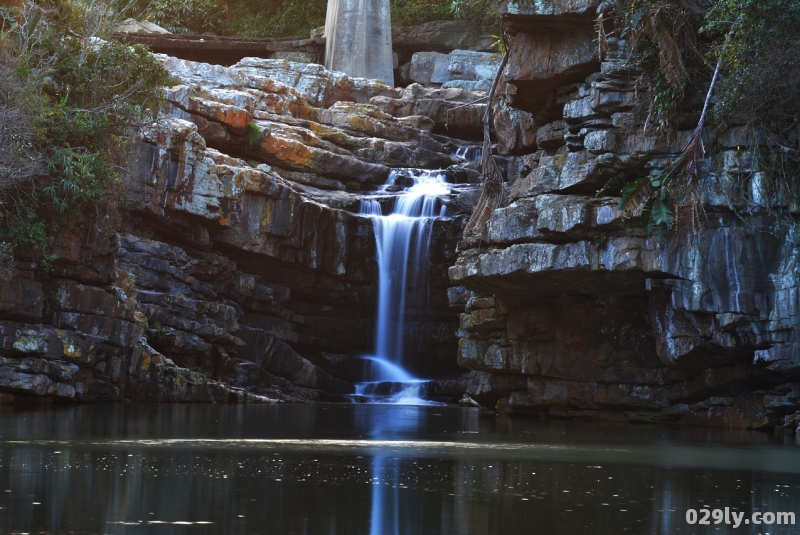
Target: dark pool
<point>379,469</point>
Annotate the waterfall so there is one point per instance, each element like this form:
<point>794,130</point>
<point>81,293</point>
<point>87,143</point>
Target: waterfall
<point>470,153</point>
<point>402,240</point>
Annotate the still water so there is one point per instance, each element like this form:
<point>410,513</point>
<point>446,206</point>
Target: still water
<point>376,470</point>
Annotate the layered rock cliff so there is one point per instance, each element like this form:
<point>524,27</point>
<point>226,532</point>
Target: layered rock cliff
<point>571,309</point>
<point>242,270</point>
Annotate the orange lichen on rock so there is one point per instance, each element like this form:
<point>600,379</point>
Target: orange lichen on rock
<point>288,151</point>
<point>234,117</point>
<point>281,99</point>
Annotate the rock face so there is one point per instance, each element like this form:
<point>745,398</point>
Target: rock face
<point>455,69</point>
<point>243,272</point>
<point>424,51</point>
<point>571,310</point>
<point>441,36</point>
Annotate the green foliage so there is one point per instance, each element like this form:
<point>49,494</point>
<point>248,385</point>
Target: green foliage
<point>27,232</point>
<point>73,101</point>
<point>659,197</point>
<point>114,77</point>
<point>676,41</point>
<point>759,49</point>
<point>500,43</point>
<point>252,135</point>
<point>663,38</point>
<point>188,16</point>
<point>410,12</point>
<point>84,178</point>
<point>29,229</point>
<point>753,46</point>
<point>284,18</point>
<point>648,197</point>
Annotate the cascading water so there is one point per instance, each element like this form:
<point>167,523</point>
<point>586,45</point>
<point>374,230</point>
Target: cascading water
<point>470,153</point>
<point>402,240</point>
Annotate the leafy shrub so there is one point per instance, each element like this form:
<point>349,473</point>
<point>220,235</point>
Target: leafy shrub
<point>187,16</point>
<point>752,46</point>
<point>284,18</point>
<point>410,12</point>
<point>74,100</point>
<point>19,127</point>
<point>663,37</point>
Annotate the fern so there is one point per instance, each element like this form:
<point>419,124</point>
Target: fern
<point>635,195</point>
<point>252,136</point>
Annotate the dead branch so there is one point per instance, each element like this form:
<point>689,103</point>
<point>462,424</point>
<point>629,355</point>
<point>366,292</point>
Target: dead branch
<point>492,190</point>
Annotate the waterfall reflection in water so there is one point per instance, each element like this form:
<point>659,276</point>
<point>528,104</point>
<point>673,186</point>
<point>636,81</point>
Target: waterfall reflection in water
<point>367,469</point>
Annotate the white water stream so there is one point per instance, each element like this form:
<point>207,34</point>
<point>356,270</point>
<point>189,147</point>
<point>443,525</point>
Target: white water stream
<point>403,243</point>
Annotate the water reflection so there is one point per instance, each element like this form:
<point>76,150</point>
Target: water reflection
<point>388,504</point>
<point>333,469</point>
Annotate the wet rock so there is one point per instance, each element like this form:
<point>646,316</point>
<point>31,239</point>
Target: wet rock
<point>516,130</point>
<point>50,343</point>
<point>157,378</point>
<point>453,68</point>
<point>36,384</point>
<point>488,388</point>
<point>278,358</point>
<point>21,297</point>
<point>256,169</point>
<point>447,391</point>
<point>601,321</point>
<point>452,109</point>
<point>540,62</point>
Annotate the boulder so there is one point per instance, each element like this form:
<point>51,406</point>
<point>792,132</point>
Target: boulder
<point>459,65</point>
<point>429,67</point>
<point>531,16</point>
<point>135,26</point>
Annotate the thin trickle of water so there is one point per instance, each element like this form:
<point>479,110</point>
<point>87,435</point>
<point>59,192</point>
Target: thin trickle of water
<point>470,153</point>
<point>402,239</point>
